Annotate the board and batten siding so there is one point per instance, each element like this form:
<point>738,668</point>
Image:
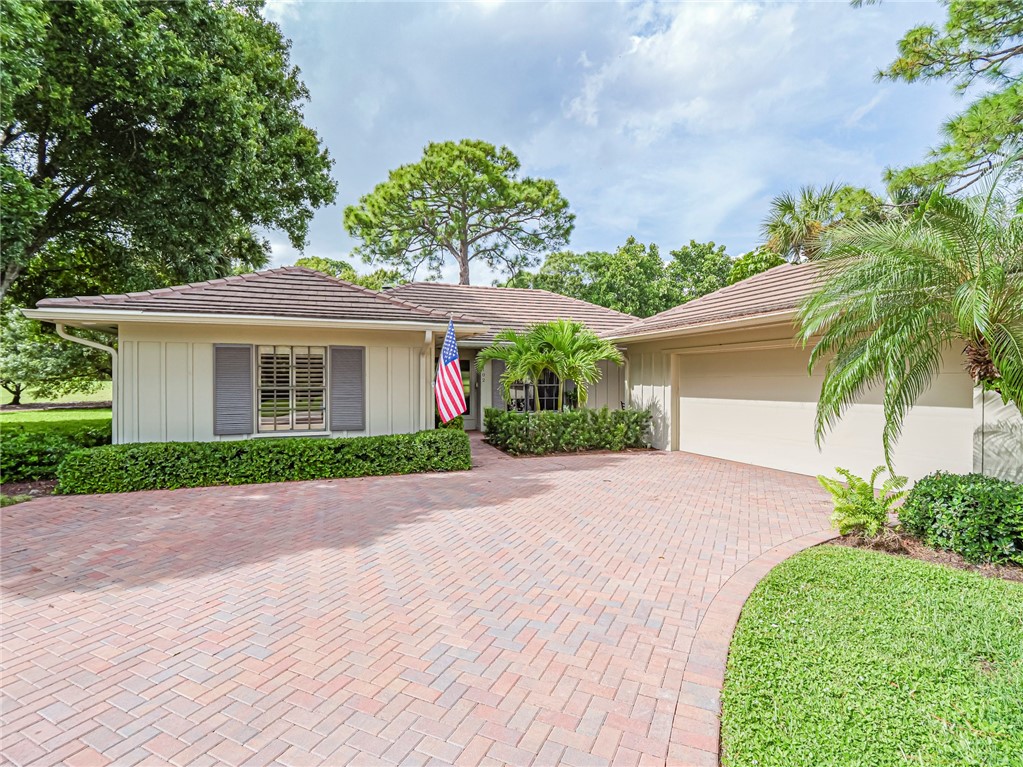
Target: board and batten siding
<point>165,379</point>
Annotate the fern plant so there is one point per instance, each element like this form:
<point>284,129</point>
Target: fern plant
<point>860,507</point>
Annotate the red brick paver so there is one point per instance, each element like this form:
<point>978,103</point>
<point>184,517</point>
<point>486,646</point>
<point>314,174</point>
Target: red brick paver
<point>571,609</point>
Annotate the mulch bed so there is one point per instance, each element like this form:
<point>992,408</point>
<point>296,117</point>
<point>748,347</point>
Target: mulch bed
<point>899,544</point>
<point>36,487</point>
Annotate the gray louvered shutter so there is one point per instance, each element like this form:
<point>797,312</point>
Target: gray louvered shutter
<point>347,388</point>
<point>496,390</point>
<point>232,389</point>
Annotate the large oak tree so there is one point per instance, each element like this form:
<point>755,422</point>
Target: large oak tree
<point>148,142</point>
<point>463,201</point>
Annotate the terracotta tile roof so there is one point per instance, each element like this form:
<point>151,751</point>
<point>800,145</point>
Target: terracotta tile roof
<point>290,291</point>
<point>509,308</point>
<point>779,289</point>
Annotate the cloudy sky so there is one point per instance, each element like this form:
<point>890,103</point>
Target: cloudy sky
<point>667,122</point>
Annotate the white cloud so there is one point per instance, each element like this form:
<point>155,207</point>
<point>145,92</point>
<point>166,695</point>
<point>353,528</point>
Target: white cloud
<point>282,10</point>
<point>663,121</point>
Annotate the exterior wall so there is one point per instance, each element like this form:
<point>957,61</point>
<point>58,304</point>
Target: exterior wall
<point>998,437</point>
<point>165,377</point>
<point>649,374</point>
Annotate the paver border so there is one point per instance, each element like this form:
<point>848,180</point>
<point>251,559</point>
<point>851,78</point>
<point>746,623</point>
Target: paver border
<point>699,703</point>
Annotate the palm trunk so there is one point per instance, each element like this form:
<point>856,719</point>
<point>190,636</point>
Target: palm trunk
<point>978,363</point>
<point>561,394</point>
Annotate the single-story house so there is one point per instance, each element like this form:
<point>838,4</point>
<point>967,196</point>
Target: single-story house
<point>293,351</point>
<point>725,377</point>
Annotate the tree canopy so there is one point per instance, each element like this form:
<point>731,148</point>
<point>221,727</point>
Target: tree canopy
<point>634,279</point>
<point>979,50</point>
<point>44,365</point>
<point>145,143</point>
<point>796,224</point>
<point>463,201</point>
<point>375,280</point>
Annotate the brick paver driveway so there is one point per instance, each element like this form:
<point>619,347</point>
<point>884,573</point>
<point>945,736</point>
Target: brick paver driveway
<point>532,611</point>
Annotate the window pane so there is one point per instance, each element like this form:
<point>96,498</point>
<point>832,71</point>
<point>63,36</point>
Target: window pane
<point>292,388</point>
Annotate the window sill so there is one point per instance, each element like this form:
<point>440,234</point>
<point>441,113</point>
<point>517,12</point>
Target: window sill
<point>270,434</point>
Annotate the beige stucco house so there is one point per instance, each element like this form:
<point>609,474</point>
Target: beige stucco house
<point>725,377</point>
<point>291,351</point>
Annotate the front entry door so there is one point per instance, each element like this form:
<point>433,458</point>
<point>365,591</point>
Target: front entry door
<point>471,386</point>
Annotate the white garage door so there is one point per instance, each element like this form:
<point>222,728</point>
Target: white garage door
<point>758,407</point>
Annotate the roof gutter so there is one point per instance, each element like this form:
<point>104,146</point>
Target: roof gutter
<point>770,318</point>
<point>73,315</point>
<point>62,332</point>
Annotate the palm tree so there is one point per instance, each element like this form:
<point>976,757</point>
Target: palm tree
<point>575,351</point>
<point>795,225</point>
<point>523,360</point>
<point>895,293</point>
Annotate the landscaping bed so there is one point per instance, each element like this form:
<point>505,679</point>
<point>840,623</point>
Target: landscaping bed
<point>33,442</point>
<point>171,465</point>
<point>844,656</point>
<point>572,431</point>
<point>900,544</point>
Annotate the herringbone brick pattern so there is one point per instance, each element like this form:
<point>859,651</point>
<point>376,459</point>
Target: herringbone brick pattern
<point>532,611</point>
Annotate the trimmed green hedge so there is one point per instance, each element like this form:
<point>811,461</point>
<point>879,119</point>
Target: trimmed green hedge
<point>35,453</point>
<point>978,517</point>
<point>170,465</point>
<point>566,432</point>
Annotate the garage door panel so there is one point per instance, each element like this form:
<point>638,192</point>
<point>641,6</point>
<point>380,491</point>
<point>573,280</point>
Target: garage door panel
<point>729,407</point>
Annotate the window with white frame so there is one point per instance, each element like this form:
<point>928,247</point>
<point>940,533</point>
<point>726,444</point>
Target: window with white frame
<point>291,388</point>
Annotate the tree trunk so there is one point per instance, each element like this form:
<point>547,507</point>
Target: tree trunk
<point>979,363</point>
<point>536,396</point>
<point>11,272</point>
<point>561,394</point>
<point>463,263</point>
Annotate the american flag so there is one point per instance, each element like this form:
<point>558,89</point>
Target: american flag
<point>449,391</point>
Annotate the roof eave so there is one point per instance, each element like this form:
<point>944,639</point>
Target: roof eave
<point>768,318</point>
<point>72,315</point>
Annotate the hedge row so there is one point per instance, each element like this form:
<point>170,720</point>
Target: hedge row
<point>170,465</point>
<point>30,454</point>
<point>978,517</point>
<point>566,432</point>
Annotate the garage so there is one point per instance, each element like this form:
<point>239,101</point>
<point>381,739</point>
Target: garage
<point>758,405</point>
<point>724,376</point>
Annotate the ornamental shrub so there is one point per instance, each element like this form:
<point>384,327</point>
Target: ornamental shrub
<point>859,506</point>
<point>978,517</point>
<point>566,432</point>
<point>170,465</point>
<point>455,423</point>
<point>31,454</point>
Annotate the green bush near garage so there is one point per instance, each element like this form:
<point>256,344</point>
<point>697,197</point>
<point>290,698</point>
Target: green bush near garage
<point>566,432</point>
<point>172,465</point>
<point>976,516</point>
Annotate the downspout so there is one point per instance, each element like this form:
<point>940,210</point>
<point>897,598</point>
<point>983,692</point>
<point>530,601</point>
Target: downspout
<point>114,420</point>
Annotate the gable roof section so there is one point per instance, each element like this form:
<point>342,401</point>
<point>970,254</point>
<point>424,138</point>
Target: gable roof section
<point>509,308</point>
<point>778,290</point>
<point>290,291</point>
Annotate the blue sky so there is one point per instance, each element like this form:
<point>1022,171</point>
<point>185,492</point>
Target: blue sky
<point>667,122</point>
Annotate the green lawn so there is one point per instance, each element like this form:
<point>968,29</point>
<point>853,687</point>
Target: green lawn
<point>53,421</point>
<point>851,657</point>
<point>102,394</point>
